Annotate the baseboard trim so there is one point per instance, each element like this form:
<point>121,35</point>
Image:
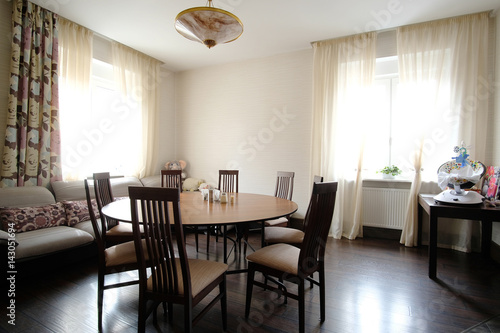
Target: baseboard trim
<point>381,233</point>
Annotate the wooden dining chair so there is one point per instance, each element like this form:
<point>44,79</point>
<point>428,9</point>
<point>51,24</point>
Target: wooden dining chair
<point>173,179</point>
<point>172,277</point>
<point>287,235</point>
<point>110,259</point>
<point>290,263</point>
<point>116,232</point>
<point>283,190</point>
<point>229,183</point>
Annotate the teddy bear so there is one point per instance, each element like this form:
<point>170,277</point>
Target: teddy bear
<point>177,165</point>
<point>192,184</point>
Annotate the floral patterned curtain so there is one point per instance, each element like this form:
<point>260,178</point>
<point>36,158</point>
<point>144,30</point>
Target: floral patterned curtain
<point>31,155</point>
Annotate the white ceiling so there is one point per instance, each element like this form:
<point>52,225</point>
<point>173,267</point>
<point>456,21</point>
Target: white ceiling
<point>270,26</point>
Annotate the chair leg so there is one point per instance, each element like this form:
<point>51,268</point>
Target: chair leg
<point>100,297</point>
<point>223,303</point>
<point>302,308</point>
<point>188,317</point>
<point>196,237</point>
<point>208,239</point>
<point>250,279</point>
<point>141,327</point>
<point>322,286</point>
<point>171,312</point>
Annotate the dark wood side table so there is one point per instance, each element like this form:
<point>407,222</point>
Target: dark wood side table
<point>481,213</point>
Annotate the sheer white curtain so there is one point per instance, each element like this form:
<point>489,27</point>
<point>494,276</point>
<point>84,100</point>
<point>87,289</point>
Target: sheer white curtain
<point>138,76</point>
<point>344,69</point>
<point>75,64</point>
<point>441,67</point>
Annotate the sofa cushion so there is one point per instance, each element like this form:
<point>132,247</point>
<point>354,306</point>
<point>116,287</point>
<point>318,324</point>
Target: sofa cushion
<point>87,226</point>
<point>44,241</point>
<point>151,181</point>
<point>74,190</point>
<point>120,185</point>
<point>25,196</point>
<point>70,190</point>
<point>33,218</point>
<point>78,211</point>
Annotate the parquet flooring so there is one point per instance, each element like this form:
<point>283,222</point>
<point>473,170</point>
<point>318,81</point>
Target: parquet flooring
<point>374,285</point>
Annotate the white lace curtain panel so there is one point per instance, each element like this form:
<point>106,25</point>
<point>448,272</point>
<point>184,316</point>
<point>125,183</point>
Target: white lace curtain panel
<point>437,96</point>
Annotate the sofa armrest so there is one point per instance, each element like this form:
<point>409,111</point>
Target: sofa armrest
<point>5,237</point>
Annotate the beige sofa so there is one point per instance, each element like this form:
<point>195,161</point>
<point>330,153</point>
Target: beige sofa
<point>52,224</point>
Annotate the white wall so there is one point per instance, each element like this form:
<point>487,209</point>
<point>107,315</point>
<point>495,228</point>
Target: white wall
<point>254,116</point>
<point>166,135</point>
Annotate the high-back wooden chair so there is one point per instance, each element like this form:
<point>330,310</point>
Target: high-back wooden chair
<point>110,259</point>
<point>283,190</point>
<point>289,263</point>
<point>278,234</point>
<point>116,232</point>
<point>171,178</point>
<point>229,181</point>
<point>173,278</point>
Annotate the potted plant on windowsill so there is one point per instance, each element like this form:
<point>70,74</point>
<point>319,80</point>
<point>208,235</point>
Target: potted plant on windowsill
<point>389,172</point>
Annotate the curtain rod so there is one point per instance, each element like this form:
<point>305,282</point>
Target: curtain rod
<point>492,13</point>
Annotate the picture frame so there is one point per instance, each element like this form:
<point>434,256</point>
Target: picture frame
<point>491,183</point>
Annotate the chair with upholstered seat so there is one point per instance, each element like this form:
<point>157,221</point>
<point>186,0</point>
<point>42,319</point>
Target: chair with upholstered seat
<point>283,190</point>
<point>229,183</point>
<point>111,259</point>
<point>285,234</point>
<point>172,277</point>
<point>173,179</point>
<point>116,232</point>
<point>287,262</point>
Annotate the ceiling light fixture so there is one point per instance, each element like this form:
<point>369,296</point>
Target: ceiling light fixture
<point>208,25</point>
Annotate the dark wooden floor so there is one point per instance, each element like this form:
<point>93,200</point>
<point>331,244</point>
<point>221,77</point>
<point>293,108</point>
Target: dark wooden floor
<point>374,285</point>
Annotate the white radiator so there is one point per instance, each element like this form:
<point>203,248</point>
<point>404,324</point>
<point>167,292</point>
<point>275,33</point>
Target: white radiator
<point>384,207</point>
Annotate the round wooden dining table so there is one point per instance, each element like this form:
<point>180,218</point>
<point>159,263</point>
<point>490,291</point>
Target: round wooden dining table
<point>195,211</point>
<point>247,207</point>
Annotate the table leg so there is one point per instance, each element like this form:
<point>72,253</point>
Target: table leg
<point>262,234</point>
<point>486,233</point>
<point>225,243</point>
<point>432,245</point>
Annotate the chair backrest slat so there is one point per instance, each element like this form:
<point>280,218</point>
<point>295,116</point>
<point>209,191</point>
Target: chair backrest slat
<point>228,180</point>
<point>171,178</point>
<point>317,221</point>
<point>99,230</point>
<point>103,196</point>
<point>284,185</point>
<point>156,209</point>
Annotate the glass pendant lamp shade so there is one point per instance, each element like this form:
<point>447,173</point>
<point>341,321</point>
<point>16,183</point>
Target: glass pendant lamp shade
<point>208,25</point>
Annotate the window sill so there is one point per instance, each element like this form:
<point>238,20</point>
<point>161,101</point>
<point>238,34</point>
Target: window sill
<point>399,183</point>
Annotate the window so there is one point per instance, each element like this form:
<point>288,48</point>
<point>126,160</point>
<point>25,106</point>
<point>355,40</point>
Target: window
<point>103,136</point>
<point>396,138</point>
